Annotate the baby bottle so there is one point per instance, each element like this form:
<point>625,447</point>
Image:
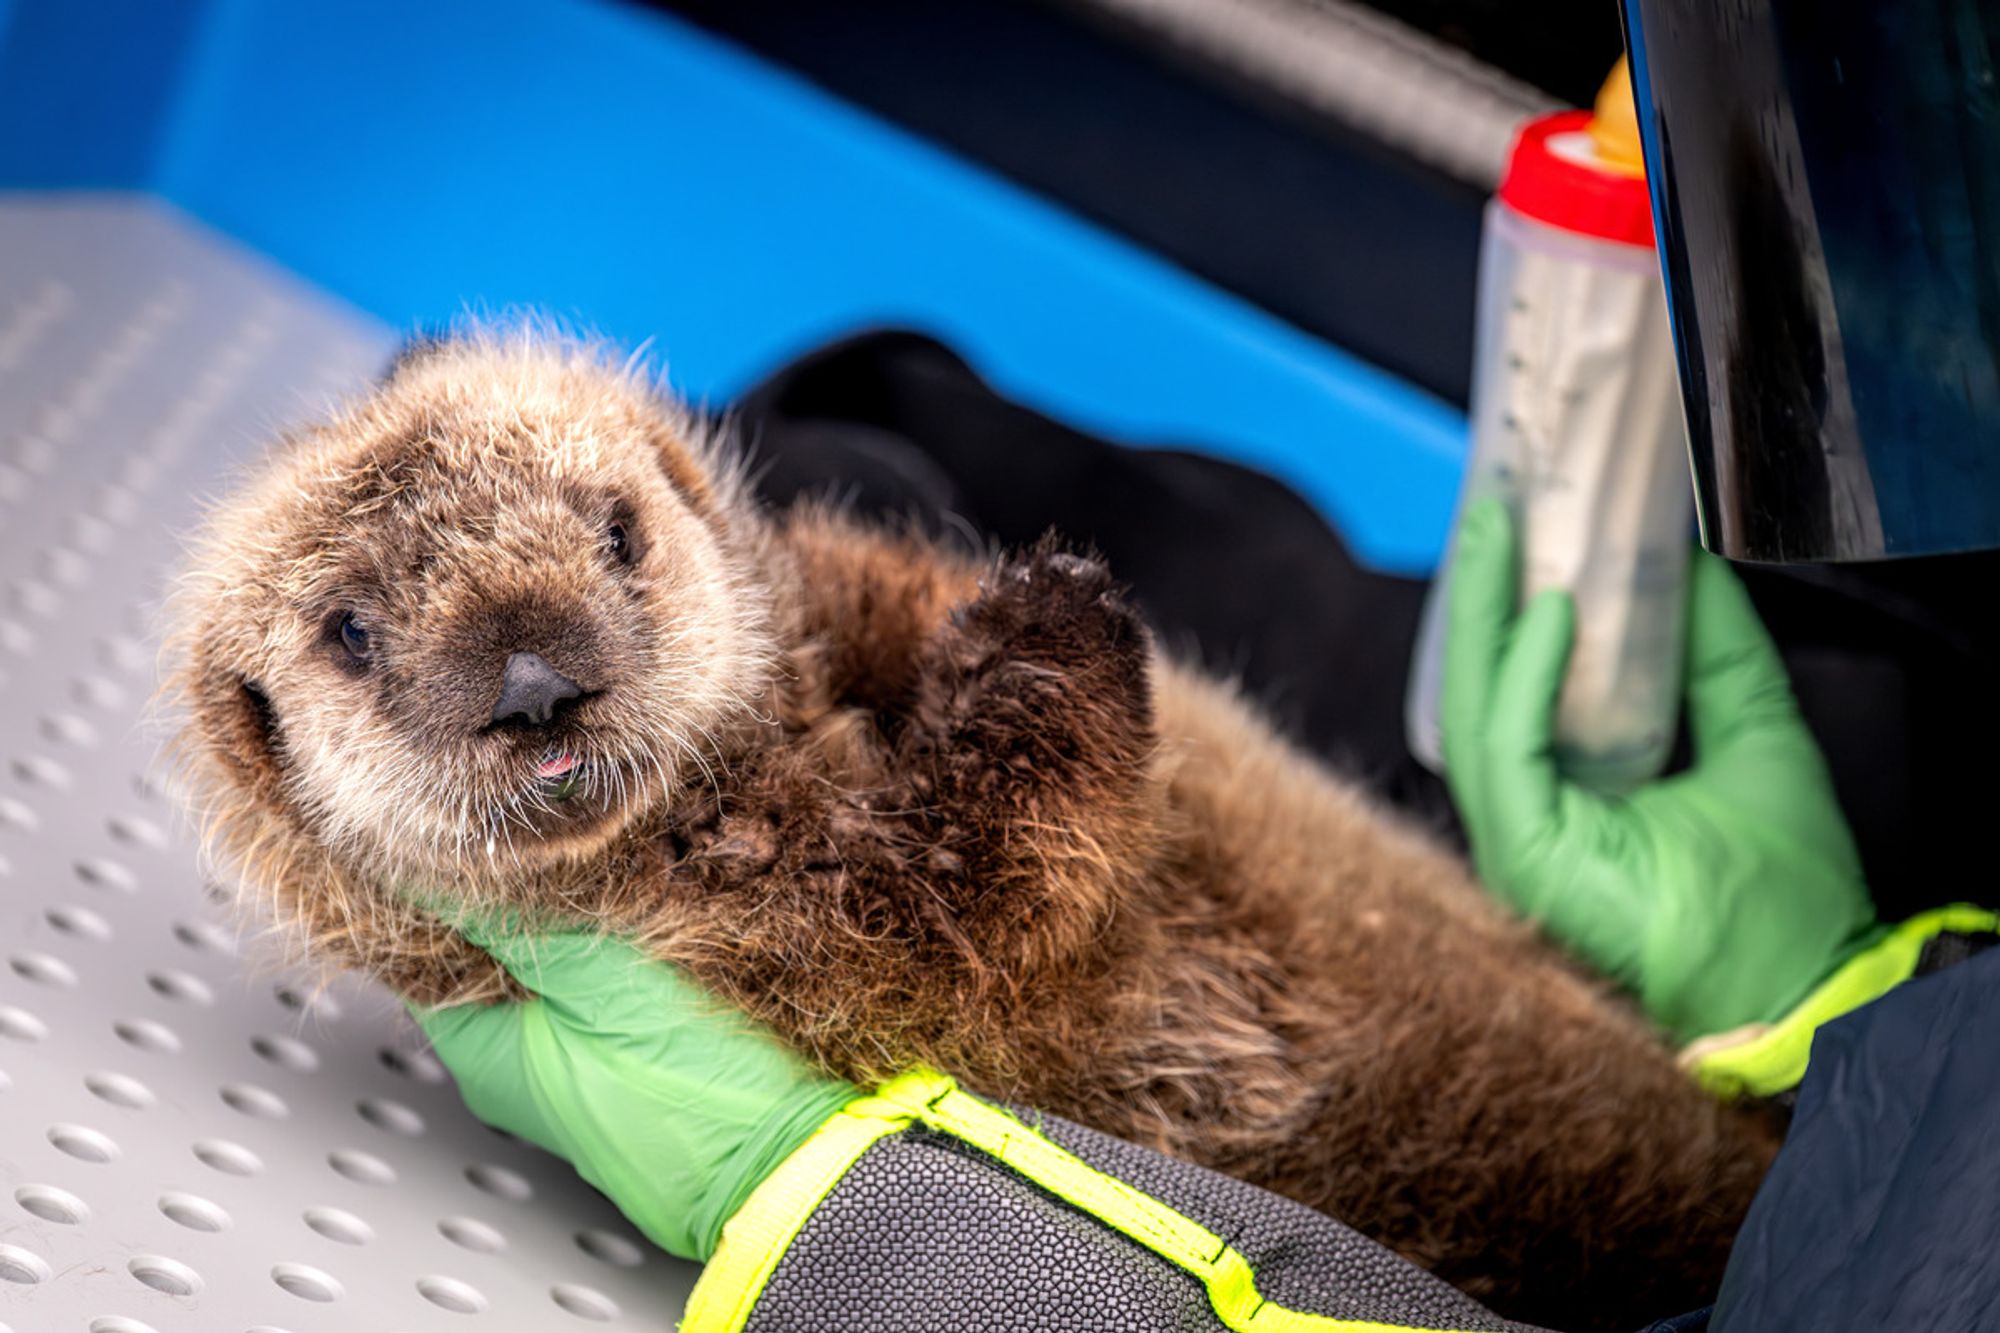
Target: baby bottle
<point>1576,427</point>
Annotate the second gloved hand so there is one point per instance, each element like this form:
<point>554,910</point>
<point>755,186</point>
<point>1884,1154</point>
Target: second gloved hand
<point>672,1103</point>
<point>1722,894</point>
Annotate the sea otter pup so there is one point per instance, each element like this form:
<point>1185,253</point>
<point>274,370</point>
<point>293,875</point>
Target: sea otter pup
<point>511,627</point>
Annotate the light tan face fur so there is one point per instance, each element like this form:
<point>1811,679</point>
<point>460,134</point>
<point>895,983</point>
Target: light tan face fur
<point>461,514</point>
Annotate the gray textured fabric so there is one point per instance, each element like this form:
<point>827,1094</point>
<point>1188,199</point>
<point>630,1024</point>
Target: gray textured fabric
<point>1303,1260</point>
<point>927,1233</point>
<point>919,1238</point>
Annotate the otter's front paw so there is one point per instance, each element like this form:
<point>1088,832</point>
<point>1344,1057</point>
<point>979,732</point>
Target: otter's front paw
<point>1047,666</point>
<point>1058,611</point>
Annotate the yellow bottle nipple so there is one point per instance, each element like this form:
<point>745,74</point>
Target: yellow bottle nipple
<point>1614,125</point>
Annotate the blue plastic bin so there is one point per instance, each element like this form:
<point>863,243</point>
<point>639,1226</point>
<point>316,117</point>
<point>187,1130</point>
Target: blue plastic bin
<point>624,170</point>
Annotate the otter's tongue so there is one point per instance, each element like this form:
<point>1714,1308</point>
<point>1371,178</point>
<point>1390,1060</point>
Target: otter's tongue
<point>555,766</point>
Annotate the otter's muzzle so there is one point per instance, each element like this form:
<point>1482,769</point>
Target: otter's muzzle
<point>531,689</point>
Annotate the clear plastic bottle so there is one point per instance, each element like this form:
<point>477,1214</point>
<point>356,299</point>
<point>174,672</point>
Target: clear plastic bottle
<point>1576,425</point>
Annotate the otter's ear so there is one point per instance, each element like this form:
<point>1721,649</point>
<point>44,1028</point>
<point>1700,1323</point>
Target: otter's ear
<point>680,443</point>
<point>231,722</point>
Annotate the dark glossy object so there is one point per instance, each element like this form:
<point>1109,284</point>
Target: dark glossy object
<point>1826,182</point>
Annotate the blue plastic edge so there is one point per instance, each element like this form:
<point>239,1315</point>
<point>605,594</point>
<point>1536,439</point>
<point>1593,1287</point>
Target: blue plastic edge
<point>86,87</point>
<point>652,182</point>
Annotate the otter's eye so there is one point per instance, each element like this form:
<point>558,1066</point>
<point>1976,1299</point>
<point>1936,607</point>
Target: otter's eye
<point>624,544</point>
<point>354,638</point>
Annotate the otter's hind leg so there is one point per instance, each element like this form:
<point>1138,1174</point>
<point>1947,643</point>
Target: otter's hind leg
<point>1486,1109</point>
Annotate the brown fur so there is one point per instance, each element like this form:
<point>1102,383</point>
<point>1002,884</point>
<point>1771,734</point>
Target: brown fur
<point>907,806</point>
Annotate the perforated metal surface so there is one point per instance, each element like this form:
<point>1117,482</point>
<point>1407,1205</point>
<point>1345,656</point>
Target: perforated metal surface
<point>184,1144</point>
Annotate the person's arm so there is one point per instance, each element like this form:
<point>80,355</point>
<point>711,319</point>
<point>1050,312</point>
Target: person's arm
<point>817,1206</point>
<point>1728,897</point>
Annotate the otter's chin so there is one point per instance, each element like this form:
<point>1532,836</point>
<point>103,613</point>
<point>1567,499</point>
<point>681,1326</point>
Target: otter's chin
<point>569,807</point>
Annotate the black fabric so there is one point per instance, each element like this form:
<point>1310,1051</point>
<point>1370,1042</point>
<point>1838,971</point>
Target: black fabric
<point>1893,664</point>
<point>1880,1212</point>
<point>1949,949</point>
<point>1564,47</point>
<point>1694,1322</point>
<point>1229,565</point>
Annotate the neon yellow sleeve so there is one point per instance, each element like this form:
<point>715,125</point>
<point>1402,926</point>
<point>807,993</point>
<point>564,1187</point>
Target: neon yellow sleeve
<point>1038,1253</point>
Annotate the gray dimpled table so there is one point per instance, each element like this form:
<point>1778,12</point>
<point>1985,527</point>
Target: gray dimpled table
<point>189,1142</point>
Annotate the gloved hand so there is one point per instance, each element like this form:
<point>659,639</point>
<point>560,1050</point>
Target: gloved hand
<point>672,1103</point>
<point>1721,895</point>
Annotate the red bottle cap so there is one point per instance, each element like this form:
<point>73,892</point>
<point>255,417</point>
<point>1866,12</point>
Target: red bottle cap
<point>1555,176</point>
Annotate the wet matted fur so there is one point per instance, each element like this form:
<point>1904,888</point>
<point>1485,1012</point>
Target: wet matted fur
<point>905,804</point>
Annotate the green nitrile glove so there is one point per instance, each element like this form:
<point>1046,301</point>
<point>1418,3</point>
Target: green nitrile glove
<point>671,1102</point>
<point>1720,895</point>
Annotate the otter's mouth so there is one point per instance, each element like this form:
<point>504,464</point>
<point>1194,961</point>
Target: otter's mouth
<point>559,775</point>
<point>563,795</point>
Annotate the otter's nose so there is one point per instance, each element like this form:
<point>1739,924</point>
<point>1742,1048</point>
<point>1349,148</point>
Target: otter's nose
<point>531,689</point>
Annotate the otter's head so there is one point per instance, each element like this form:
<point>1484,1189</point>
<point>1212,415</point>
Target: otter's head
<point>473,625</point>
